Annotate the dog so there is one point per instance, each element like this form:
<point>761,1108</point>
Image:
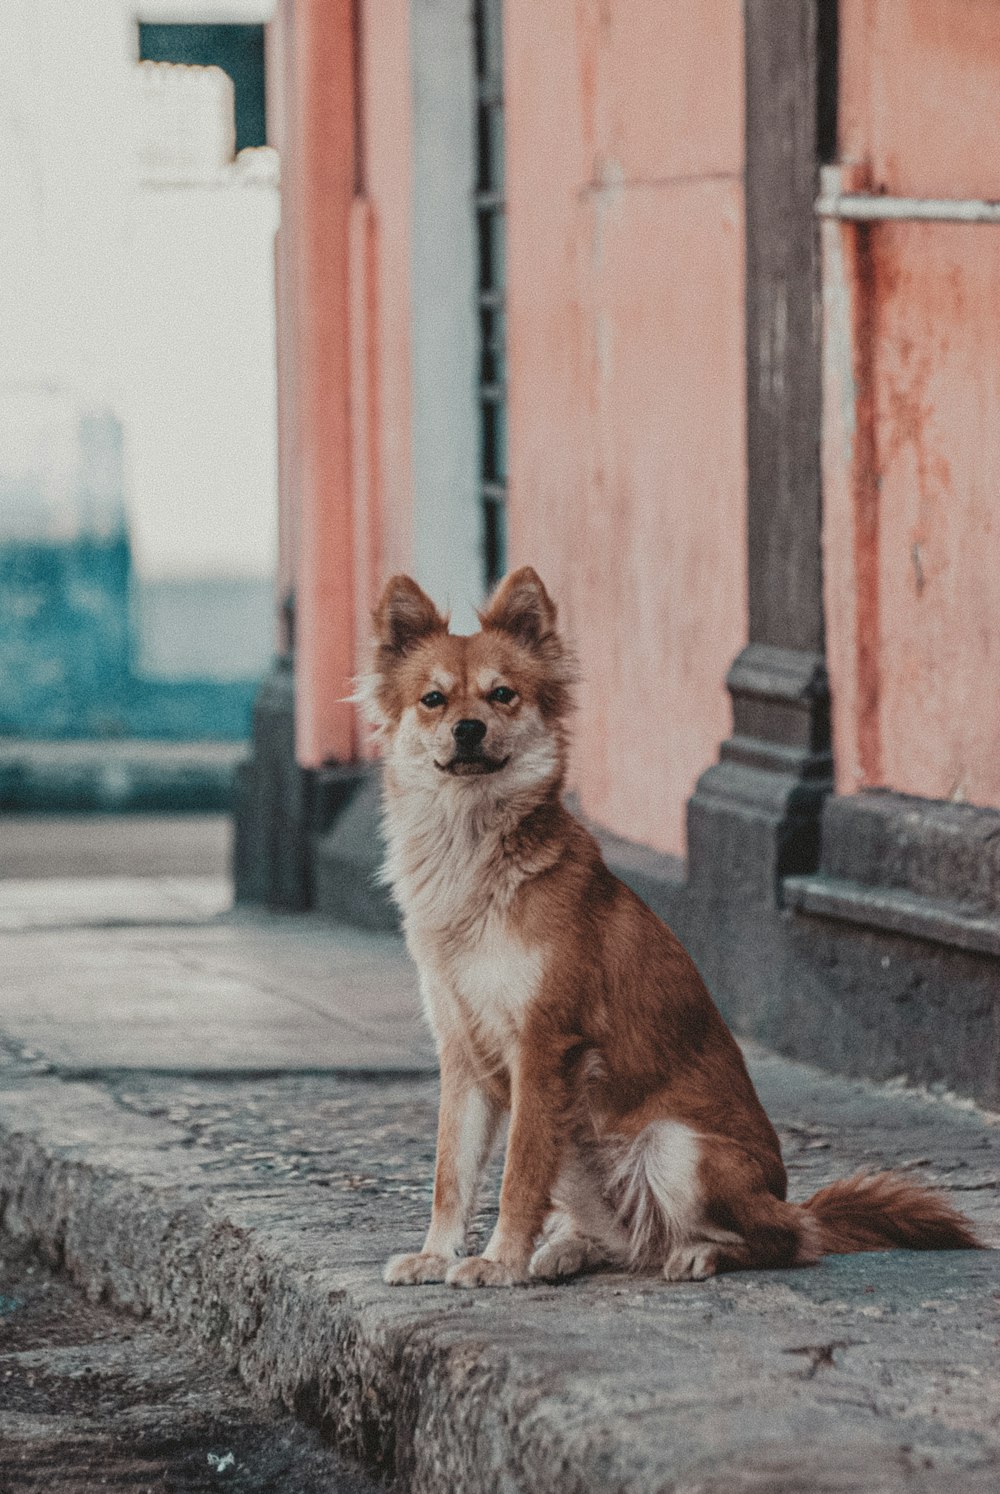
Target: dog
<point>636,1138</point>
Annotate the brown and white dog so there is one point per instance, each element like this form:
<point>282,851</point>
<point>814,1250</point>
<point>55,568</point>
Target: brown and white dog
<point>636,1137</point>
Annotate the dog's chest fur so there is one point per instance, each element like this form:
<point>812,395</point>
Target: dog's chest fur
<point>489,984</point>
<point>455,884</point>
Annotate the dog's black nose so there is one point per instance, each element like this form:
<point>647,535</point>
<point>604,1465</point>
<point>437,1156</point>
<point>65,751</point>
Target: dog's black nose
<point>468,734</point>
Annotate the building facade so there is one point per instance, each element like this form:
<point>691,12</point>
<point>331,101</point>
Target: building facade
<point>138,464</point>
<point>695,309</point>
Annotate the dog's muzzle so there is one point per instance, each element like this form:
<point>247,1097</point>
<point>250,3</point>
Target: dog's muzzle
<point>470,761</point>
<point>471,765</point>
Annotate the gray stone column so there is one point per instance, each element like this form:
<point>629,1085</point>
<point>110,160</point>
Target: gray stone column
<point>755,814</point>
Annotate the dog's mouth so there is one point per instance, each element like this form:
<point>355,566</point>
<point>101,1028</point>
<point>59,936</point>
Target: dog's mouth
<point>468,766</point>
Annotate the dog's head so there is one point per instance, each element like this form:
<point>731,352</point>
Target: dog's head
<point>484,710</point>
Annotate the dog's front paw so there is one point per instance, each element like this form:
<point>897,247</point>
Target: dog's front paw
<point>691,1263</point>
<point>559,1257</point>
<point>477,1271</point>
<point>415,1270</point>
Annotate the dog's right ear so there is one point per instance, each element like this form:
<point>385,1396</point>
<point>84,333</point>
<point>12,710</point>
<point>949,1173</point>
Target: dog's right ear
<point>404,616</point>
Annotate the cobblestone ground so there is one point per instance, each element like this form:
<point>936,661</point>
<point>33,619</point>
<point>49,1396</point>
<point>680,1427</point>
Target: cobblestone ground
<point>366,1141</point>
<point>93,1399</point>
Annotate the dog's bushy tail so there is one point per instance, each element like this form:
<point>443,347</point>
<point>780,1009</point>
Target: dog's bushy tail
<point>885,1211</point>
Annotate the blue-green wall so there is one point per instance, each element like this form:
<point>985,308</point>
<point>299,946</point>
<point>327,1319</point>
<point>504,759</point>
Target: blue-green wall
<point>70,662</point>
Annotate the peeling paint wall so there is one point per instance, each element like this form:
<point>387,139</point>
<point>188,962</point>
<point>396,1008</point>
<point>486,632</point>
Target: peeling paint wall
<point>626,328</point>
<point>911,448</point>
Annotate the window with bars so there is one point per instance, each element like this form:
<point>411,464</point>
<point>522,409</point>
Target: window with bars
<point>491,226</point>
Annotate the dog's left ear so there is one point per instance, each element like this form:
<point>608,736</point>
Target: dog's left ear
<point>522,607</point>
<point>405,615</point>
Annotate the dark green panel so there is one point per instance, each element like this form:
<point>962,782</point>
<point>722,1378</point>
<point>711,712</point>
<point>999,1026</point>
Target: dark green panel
<point>238,50</point>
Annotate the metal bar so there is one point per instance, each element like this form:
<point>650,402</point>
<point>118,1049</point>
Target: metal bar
<point>489,213</point>
<point>489,91</point>
<point>872,207</point>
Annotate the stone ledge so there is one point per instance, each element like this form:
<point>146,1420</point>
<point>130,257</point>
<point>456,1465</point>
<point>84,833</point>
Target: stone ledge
<point>947,853</point>
<point>348,860</point>
<point>893,910</point>
<point>790,980</point>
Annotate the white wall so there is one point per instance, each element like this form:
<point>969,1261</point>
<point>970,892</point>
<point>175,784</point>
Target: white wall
<point>65,137</point>
<point>200,398</point>
<point>128,295</point>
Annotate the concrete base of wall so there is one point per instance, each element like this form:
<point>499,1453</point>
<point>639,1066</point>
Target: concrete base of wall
<point>348,862</point>
<point>847,984</point>
<point>281,810</point>
<point>270,850</point>
<point>883,961</point>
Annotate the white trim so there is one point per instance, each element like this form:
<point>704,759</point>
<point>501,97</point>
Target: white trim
<point>871,207</point>
<point>447,555</point>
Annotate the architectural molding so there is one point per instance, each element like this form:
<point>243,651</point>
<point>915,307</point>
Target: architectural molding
<point>908,865</point>
<point>755,815</point>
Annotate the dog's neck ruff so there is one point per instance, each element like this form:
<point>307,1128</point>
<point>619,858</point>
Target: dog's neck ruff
<point>457,855</point>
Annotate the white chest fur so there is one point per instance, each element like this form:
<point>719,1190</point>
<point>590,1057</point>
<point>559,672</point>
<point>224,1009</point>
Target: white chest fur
<point>484,981</point>
<point>455,885</point>
<point>496,979</point>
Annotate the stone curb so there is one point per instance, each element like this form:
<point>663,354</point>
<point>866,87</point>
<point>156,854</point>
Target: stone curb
<point>409,1394</point>
<point>443,1391</point>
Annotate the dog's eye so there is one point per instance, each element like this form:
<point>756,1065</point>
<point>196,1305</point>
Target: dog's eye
<point>432,700</point>
<point>503,694</point>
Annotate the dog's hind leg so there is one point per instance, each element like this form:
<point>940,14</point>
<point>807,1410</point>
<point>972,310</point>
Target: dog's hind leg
<point>582,1232</point>
<point>699,1204</point>
<point>742,1223</point>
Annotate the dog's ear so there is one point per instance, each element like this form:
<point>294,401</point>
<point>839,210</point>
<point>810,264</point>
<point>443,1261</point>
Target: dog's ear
<point>405,615</point>
<point>521,607</point>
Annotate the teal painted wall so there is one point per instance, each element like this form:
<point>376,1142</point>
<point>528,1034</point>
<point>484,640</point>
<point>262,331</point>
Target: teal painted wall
<point>71,660</point>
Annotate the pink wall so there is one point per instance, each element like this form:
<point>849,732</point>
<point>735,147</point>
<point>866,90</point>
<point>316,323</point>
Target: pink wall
<point>911,428</point>
<point>343,340</point>
<point>627,445</point>
<point>381,375</point>
<point>313,124</point>
<point>388,188</point>
<point>281,94</point>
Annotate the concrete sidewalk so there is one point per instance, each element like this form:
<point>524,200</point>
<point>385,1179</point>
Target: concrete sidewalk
<point>228,1123</point>
<point>91,846</point>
